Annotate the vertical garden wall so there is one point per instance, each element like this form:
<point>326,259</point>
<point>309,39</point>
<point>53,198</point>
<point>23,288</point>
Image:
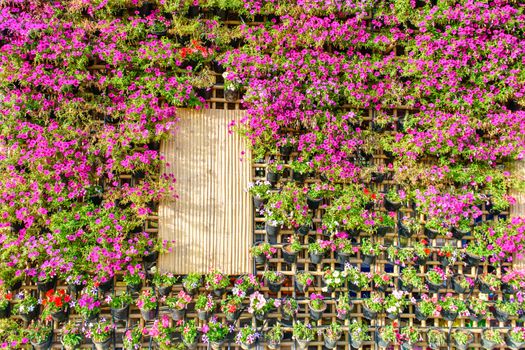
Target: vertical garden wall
<point>382,135</point>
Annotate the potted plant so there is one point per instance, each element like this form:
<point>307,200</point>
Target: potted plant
<point>462,338</point>
<point>332,280</point>
<point>343,306</point>
<point>5,304</point>
<point>247,337</point>
<point>386,335</point>
<point>217,282</point>
<point>436,338</point>
<point>317,250</point>
<point>303,280</point>
<point>434,227</point>
<point>409,335</point>
<point>422,253</point>
<point>410,280</point>
<point>504,309</point>
<point>474,253</point>
<point>231,87</point>
<point>178,305</point>
<point>344,248</point>
<point>358,333</point>
<point>356,279</point>
<point>369,251</point>
<point>448,255</point>
<point>188,330</point>
<point>72,336</point>
<point>478,310</point>
<point>119,305</point>
<point>435,279</point>
<point>332,334</point>
<point>400,256</point>
<point>491,338</point>
<point>489,283</point>
<point>88,305</point>
<point>462,228</point>
<point>260,306</point>
<point>245,285</point>
<point>231,307</point>
<point>303,334</point>
<point>40,335</point>
<point>515,338</point>
<point>192,282</point>
<point>148,305</point>
<point>274,279</point>
<point>133,279</point>
<point>394,304</point>
<point>26,307</point>
<point>407,226</point>
<point>132,338</point>
<point>262,251</point>
<point>451,307</point>
<point>273,172</point>
<point>163,282</point>
<point>216,334</point>
<point>101,333</point>
<point>317,306</point>
<point>314,196</point>
<point>461,283</point>
<point>373,306</point>
<point>291,250</point>
<point>382,281</point>
<point>426,307</point>
<point>162,333</point>
<point>274,337</point>
<point>204,305</point>
<point>393,199</point>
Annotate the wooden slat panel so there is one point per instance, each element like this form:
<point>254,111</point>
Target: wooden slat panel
<point>518,209</point>
<point>211,221</point>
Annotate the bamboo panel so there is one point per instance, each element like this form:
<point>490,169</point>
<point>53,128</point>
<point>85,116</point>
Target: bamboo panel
<point>211,221</point>
<point>518,209</point>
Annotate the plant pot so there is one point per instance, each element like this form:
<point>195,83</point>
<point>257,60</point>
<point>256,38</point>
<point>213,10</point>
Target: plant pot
<point>301,288</point>
<point>512,343</point>
<point>316,258</point>
<point>178,315</point>
<point>92,316</point>
<point>149,315</point>
<point>164,291</point>
<point>303,230</point>
<point>30,316</point>
<point>274,287</point>
<point>46,344</point>
<point>488,344</point>
<point>462,346</point>
<point>369,314</point>
<point>430,233</point>
<point>433,288</point>
<point>330,343</point>
<point>272,230</point>
<point>354,287</point>
<point>260,259</point>
<point>475,317</point>
<point>380,342</point>
<point>485,288</point>
<point>472,260</point>
<point>232,316</point>
<point>420,316</point>
<point>289,257</point>
<point>6,311</point>
<point>302,344</point>
<point>508,289</point>
<point>343,258</point>
<point>248,346</point>
<point>392,316</point>
<point>285,151</point>
<point>449,315</point>
<point>356,344</point>
<point>203,315</point>
<point>216,345</point>
<point>59,316</point>
<point>120,314</point>
<point>103,345</point>
<point>392,206</point>
<point>190,346</point>
<point>134,288</point>
<point>258,202</point>
<point>231,95</point>
<point>105,287</point>
<point>458,234</point>
<point>313,203</point>
<point>381,231</point>
<point>16,286</point>
<point>317,314</point>
<point>404,231</point>
<point>298,177</point>
<point>445,261</point>
<point>272,177</point>
<point>273,344</point>
<point>260,316</point>
<point>405,287</point>
<point>457,287</point>
<point>368,260</point>
<point>75,288</point>
<point>151,257</point>
<point>218,292</point>
<point>46,286</point>
<point>500,315</point>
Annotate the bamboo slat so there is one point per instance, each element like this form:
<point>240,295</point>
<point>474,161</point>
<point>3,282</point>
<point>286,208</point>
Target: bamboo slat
<point>211,221</point>
<point>518,209</point>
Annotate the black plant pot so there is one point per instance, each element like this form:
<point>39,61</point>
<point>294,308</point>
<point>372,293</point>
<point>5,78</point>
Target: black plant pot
<point>258,202</point>
<point>420,261</point>
<point>404,287</point>
<point>260,259</point>
<point>316,314</point>
<point>369,314</point>
<point>204,93</point>
<point>275,287</point>
<point>303,230</point>
<point>164,290</point>
<point>154,146</point>
<point>285,151</point>
<point>353,287</point>
<point>472,260</point>
<point>313,203</point>
<point>47,285</point>
<point>16,286</point>
<point>45,344</point>
<point>368,260</point>
<point>381,231</point>
<point>458,234</point>
<point>288,257</point>
<point>272,177</point>
<point>96,200</point>
<point>134,288</point>
<point>433,288</point>
<point>203,315</point>
<point>392,316</point>
<point>231,96</point>
<point>105,287</point>
<point>120,314</point>
<point>404,231</point>
<point>298,177</point>
<point>151,257</point>
<point>316,258</point>
<point>342,258</point>
<point>449,315</point>
<point>475,317</point>
<point>178,315</point>
<point>392,206</point>
<point>457,287</point>
<point>419,315</point>
<point>30,316</point>
<point>59,316</point>
<point>272,230</point>
<point>501,315</point>
<point>430,233</point>
<point>5,312</point>
<point>484,288</point>
<point>219,292</point>
<point>508,289</point>
<point>378,177</point>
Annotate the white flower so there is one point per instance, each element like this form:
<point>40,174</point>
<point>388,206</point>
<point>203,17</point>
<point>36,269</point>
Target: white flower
<point>324,289</point>
<point>336,273</point>
<point>337,280</point>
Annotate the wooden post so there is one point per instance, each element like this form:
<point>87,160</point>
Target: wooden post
<point>518,209</point>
